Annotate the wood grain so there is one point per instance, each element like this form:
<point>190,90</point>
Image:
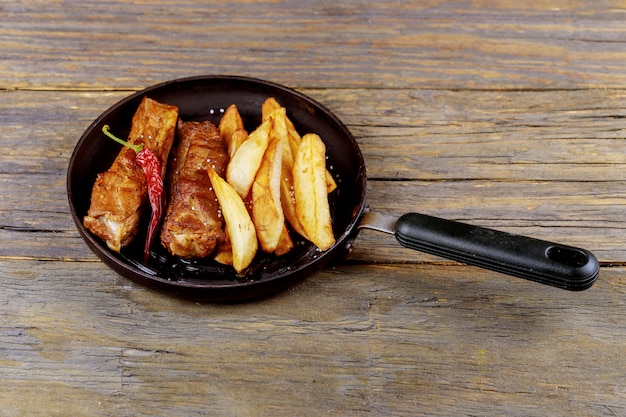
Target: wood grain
<point>476,45</point>
<point>525,348</point>
<point>501,113</point>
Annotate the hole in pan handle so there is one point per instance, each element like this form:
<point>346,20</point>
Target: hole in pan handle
<point>537,260</point>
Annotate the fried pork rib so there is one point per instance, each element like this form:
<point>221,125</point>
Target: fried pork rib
<point>119,194</point>
<point>193,225</point>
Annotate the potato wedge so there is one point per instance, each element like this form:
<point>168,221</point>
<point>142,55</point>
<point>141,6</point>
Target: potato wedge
<point>231,121</point>
<point>310,190</point>
<point>288,200</point>
<point>267,211</point>
<point>239,225</point>
<point>331,185</point>
<point>245,163</point>
<point>224,252</point>
<point>285,243</point>
<point>279,128</point>
<point>269,105</point>
<point>280,131</point>
<point>271,108</point>
<point>238,137</point>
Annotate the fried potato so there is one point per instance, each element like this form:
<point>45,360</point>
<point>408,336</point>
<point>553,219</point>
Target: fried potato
<point>271,108</point>
<point>310,190</point>
<point>238,137</point>
<point>230,123</point>
<point>280,132</point>
<point>269,105</point>
<point>275,179</point>
<point>224,251</point>
<point>245,163</point>
<point>279,128</point>
<point>288,200</point>
<point>267,211</point>
<point>331,185</point>
<point>239,226</point>
<point>285,243</point>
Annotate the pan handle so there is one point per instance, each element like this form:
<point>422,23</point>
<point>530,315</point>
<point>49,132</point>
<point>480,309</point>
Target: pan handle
<point>537,260</point>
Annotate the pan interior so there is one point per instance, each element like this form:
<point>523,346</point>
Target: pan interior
<point>206,98</point>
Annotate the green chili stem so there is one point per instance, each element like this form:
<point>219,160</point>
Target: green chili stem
<point>136,148</point>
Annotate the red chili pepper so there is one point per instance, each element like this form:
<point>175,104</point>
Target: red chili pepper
<point>152,170</point>
<point>151,166</point>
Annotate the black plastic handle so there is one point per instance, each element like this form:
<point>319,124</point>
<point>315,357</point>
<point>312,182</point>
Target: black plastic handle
<point>537,260</point>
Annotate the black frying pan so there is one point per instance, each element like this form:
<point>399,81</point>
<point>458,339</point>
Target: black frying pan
<point>205,98</point>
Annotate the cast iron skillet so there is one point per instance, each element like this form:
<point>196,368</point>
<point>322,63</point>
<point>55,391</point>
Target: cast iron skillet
<point>205,98</point>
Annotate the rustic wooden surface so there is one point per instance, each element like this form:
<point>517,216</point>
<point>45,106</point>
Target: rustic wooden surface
<point>503,113</point>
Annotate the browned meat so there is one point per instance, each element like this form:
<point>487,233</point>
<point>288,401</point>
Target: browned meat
<point>119,194</point>
<point>193,224</point>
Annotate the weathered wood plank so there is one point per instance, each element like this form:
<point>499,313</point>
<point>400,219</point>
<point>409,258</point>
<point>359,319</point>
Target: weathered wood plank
<point>538,135</point>
<point>501,44</point>
<point>377,340</point>
<point>51,123</point>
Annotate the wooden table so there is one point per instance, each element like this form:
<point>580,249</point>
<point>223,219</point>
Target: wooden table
<point>506,114</point>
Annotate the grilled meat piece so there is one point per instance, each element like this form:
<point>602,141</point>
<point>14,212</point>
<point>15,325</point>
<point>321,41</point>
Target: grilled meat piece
<point>119,194</point>
<point>193,224</point>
